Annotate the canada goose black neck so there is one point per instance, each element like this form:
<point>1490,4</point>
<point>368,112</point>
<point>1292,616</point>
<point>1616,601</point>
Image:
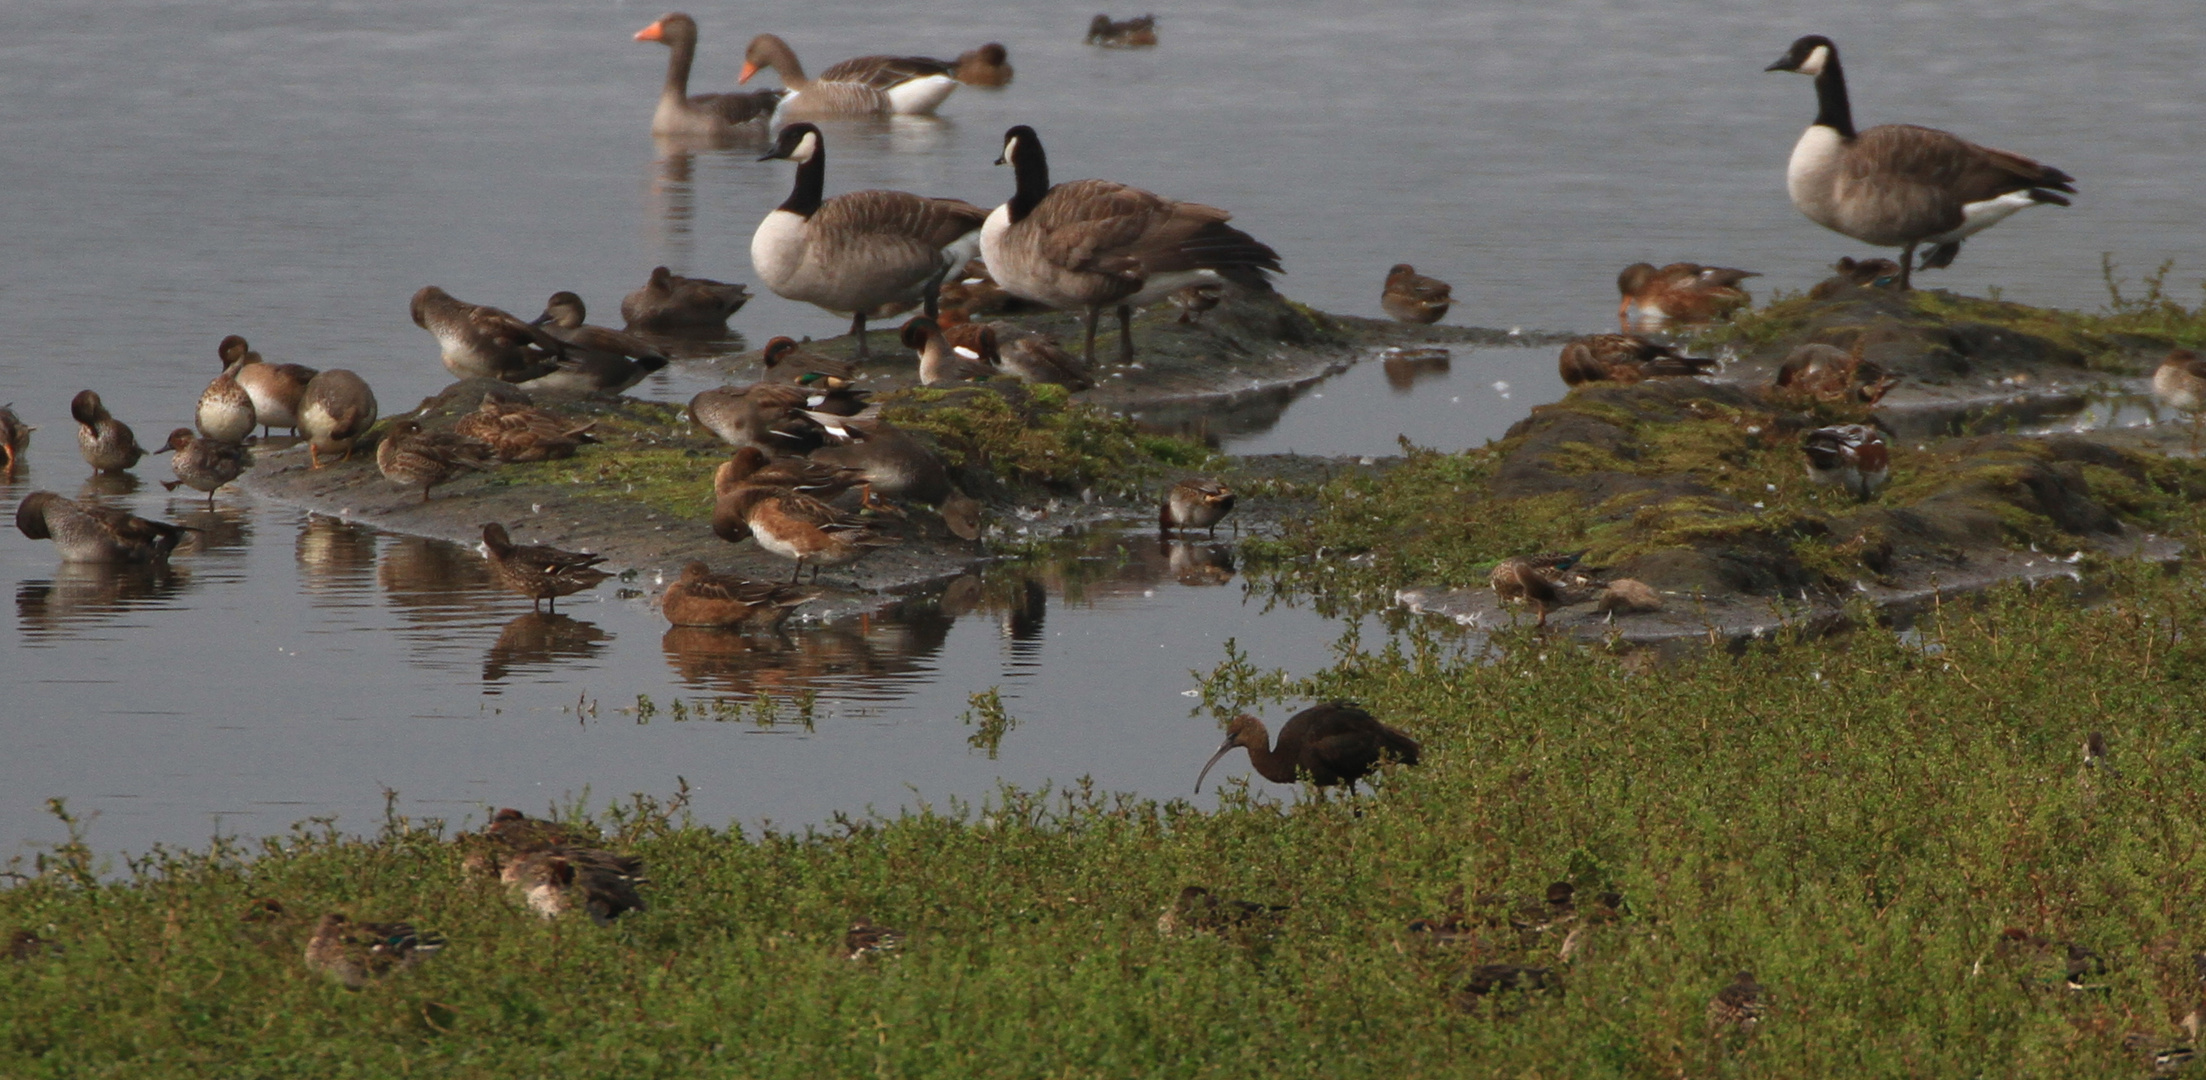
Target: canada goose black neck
<point>1833,110</point>
<point>1024,150</point>
<point>802,144</point>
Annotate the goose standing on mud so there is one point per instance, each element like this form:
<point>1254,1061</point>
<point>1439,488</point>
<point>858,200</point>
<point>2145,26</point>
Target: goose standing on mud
<point>875,86</point>
<point>1091,244</point>
<point>859,250</point>
<point>707,116</point>
<point>1898,185</point>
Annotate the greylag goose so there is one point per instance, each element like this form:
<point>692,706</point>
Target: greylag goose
<point>708,116</point>
<point>917,93</point>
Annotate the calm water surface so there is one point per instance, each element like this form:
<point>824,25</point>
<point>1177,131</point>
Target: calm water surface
<point>294,171</point>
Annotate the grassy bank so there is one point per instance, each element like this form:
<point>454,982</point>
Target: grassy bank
<point>1856,822</point>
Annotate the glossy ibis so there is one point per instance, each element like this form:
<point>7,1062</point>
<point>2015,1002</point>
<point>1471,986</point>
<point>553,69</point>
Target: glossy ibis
<point>1335,742</point>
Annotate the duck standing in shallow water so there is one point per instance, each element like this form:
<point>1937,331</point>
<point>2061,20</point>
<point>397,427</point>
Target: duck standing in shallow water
<point>1412,297</point>
<point>539,572</point>
<point>90,533</point>
<point>1193,504</point>
<point>203,462</point>
<point>108,444</point>
<point>703,598</point>
<point>1330,744</point>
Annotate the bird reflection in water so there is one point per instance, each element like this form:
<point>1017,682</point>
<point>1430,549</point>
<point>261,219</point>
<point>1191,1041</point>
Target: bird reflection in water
<point>1198,565</point>
<point>82,595</point>
<point>113,485</point>
<point>1406,367</point>
<point>868,658</point>
<point>541,639</point>
<point>335,558</point>
<point>213,529</point>
<point>674,195</point>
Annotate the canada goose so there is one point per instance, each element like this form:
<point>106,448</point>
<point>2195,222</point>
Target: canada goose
<point>336,410</point>
<point>1412,297</point>
<point>225,409</point>
<point>1898,185</point>
<point>919,93</point>
<point>204,462</point>
<point>108,444</point>
<point>859,250</point>
<point>939,362</point>
<point>1625,358</point>
<point>1678,293</point>
<point>482,342</point>
<point>672,304</point>
<point>1094,243</point>
<point>90,533</point>
<point>408,456</point>
<point>1853,456</point>
<point>711,116</point>
<point>1128,33</point>
<point>14,436</point>
<point>1193,504</point>
<point>988,65</point>
<point>599,361</point>
<point>274,388</point>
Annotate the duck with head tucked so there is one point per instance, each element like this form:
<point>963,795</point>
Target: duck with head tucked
<point>275,389</point>
<point>672,304</point>
<point>90,533</point>
<point>225,408</point>
<point>335,412</point>
<point>108,444</point>
<point>14,436</point>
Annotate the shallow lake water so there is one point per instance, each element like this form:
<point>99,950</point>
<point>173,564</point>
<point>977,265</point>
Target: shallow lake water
<point>294,171</point>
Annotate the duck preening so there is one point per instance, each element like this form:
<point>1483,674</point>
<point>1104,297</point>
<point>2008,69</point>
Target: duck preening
<point>861,250</point>
<point>703,598</point>
<point>108,444</point>
<point>335,411</point>
<point>1898,185</point>
<point>599,360</point>
<point>90,533</point>
<point>1330,744</point>
<point>225,409</point>
<point>1625,358</point>
<point>1537,581</point>
<point>275,389</point>
<point>1412,297</point>
<point>203,462</point>
<point>477,341</point>
<point>1139,31</point>
<point>15,435</point>
<point>709,116</point>
<point>1195,503</point>
<point>1092,244</point>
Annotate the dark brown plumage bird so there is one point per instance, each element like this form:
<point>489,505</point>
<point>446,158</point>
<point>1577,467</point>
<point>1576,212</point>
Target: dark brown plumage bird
<point>1412,297</point>
<point>408,456</point>
<point>1678,293</point>
<point>1197,910</point>
<point>1738,1006</point>
<point>1137,32</point>
<point>672,304</point>
<point>1625,358</point>
<point>539,572</point>
<point>516,431</point>
<point>1333,743</point>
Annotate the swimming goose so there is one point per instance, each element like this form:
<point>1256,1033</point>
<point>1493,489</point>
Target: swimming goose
<point>1412,297</point>
<point>1127,33</point>
<point>482,342</point>
<point>915,85</point>
<point>336,410</point>
<point>225,409</point>
<point>672,304</point>
<point>14,436</point>
<point>859,250</point>
<point>204,462</point>
<point>1898,185</point>
<point>1095,243</point>
<point>108,444</point>
<point>1678,293</point>
<point>599,361</point>
<point>90,533</point>
<point>711,116</point>
<point>988,65</point>
<point>274,388</point>
<point>939,362</point>
<point>828,97</point>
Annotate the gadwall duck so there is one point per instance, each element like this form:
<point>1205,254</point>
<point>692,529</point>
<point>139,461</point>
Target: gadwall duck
<point>1625,358</point>
<point>1537,581</point>
<point>717,117</point>
<point>1678,294</point>
<point>539,572</point>
<point>802,528</point>
<point>482,342</point>
<point>408,456</point>
<point>276,389</point>
<point>865,86</point>
<point>1195,503</point>
<point>860,250</point>
<point>336,410</point>
<point>15,435</point>
<point>204,462</point>
<point>91,533</point>
<point>672,304</point>
<point>1092,244</point>
<point>516,431</point>
<point>1852,456</point>
<point>225,407</point>
<point>989,65</point>
<point>599,360</point>
<point>1328,744</point>
<point>1136,32</point>
<point>1899,185</point>
<point>703,598</point>
<point>358,953</point>
<point>108,444</point>
<point>1411,297</point>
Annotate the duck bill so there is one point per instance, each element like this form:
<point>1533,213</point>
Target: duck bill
<point>749,69</point>
<point>1222,751</point>
<point>653,32</point>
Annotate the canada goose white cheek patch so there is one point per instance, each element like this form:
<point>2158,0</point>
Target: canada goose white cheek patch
<point>1817,58</point>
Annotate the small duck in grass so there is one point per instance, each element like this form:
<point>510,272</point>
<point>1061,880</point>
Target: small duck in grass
<point>1625,358</point>
<point>1854,274</point>
<point>15,435</point>
<point>1536,581</point>
<point>703,598</point>
<point>539,572</point>
<point>557,880</point>
<point>90,533</point>
<point>516,431</point>
<point>866,941</point>
<point>108,444</point>
<point>409,455</point>
<point>204,462</point>
<point>1852,456</point>
<point>1195,503</point>
<point>1196,300</point>
<point>356,954</point>
<point>1412,297</point>
<point>1680,293</point>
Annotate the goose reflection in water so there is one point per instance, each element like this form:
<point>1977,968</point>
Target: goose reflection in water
<point>869,658</point>
<point>85,595</point>
<point>335,558</point>
<point>541,640</point>
<point>1405,368</point>
<point>1198,565</point>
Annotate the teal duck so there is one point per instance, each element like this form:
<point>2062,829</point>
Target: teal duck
<point>204,462</point>
<point>865,940</point>
<point>788,362</point>
<point>1625,358</point>
<point>556,880</point>
<point>225,410</point>
<point>703,598</point>
<point>358,953</point>
<point>91,533</point>
<point>1626,596</point>
<point>1738,1006</point>
<point>1852,456</point>
<point>477,341</point>
<point>275,389</point>
<point>516,431</point>
<point>1412,297</point>
<point>599,361</point>
<point>672,304</point>
<point>1195,503</point>
<point>408,456</point>
<point>899,466</point>
<point>1197,910</point>
<point>1817,372</point>
<point>108,444</point>
<point>336,410</point>
<point>539,572</point>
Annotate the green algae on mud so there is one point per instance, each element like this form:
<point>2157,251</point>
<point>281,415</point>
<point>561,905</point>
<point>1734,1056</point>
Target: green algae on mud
<point>1859,823</point>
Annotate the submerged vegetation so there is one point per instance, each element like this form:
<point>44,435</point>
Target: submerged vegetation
<point>1898,836</point>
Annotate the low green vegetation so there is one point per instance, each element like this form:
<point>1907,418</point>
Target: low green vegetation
<point>1037,435</point>
<point>1896,833</point>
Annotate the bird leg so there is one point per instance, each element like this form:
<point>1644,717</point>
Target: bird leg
<point>1095,315</point>
<point>313,456</point>
<point>1907,266</point>
<point>858,329</point>
<point>930,300</point>
<point>1125,334</point>
<point>800,572</point>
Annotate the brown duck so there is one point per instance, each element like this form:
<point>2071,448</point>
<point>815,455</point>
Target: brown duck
<point>539,572</point>
<point>408,456</point>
